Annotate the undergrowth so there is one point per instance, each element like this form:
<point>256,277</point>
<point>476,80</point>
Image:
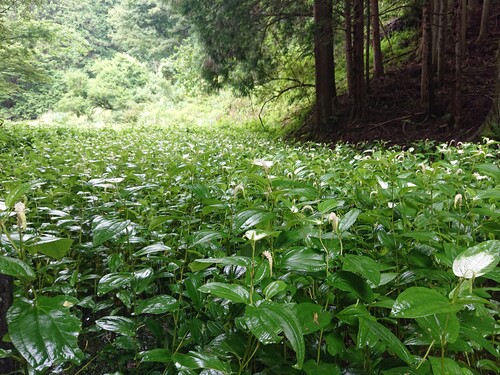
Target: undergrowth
<point>220,250</point>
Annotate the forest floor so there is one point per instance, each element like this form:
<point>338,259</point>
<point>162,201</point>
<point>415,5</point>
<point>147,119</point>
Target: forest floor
<point>394,114</point>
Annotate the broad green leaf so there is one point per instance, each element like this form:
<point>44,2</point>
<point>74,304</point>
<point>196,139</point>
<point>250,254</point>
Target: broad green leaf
<point>348,220</point>
<point>363,266</point>
<point>424,369</point>
<point>274,288</point>
<point>16,268</point>
<point>367,326</point>
<point>334,344</point>
<point>44,331</point>
<point>233,292</point>
<point>477,336</point>
<point>264,326</point>
<point>442,327</point>
<point>113,281</point>
<point>156,355</point>
<point>488,364</point>
<point>416,302</point>
<point>235,342</point>
<point>156,305</point>
<point>141,279</point>
<point>158,220</point>
<point>350,282</point>
<point>152,249</point>
<point>477,260</point>
<point>351,314</point>
<point>250,218</point>
<point>5,353</point>
<point>16,194</point>
<point>490,169</point>
<point>311,316</point>
<point>119,324</point>
<point>105,229</point>
<point>268,319</point>
<point>323,368</point>
<point>302,260</point>
<point>442,366</point>
<point>490,194</point>
<point>422,236</point>
<point>207,235</point>
<point>384,185</point>
<point>386,239</point>
<point>228,261</point>
<point>196,360</point>
<point>53,247</point>
<point>329,205</point>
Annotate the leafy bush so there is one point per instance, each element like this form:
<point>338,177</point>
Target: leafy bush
<point>188,249</point>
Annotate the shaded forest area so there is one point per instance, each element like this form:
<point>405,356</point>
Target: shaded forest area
<point>394,110</point>
<point>355,71</point>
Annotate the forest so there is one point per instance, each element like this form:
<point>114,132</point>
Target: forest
<point>249,187</point>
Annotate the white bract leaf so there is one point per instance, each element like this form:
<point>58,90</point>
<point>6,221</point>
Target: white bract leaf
<point>252,235</point>
<point>263,163</point>
<point>477,260</point>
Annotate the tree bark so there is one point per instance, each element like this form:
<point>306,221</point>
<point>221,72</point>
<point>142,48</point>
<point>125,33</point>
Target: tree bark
<point>459,57</point>
<point>324,64</point>
<point>441,41</point>
<point>378,65</point>
<point>491,127</point>
<point>427,87</point>
<point>359,89</point>
<point>483,32</point>
<point>348,45</point>
<point>367,49</point>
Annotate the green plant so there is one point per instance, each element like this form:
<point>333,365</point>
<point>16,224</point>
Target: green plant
<point>167,252</point>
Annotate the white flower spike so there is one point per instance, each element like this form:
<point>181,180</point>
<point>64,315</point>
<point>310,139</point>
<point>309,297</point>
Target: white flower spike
<point>20,209</point>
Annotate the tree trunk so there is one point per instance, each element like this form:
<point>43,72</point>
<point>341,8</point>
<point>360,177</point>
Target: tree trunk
<point>427,87</point>
<point>7,365</point>
<point>378,65</point>
<point>483,32</point>
<point>348,44</point>
<point>459,57</point>
<point>491,127</point>
<point>359,89</point>
<point>441,41</point>
<point>367,50</point>
<point>324,64</point>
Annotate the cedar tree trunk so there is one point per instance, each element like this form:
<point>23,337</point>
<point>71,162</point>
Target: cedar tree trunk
<point>324,64</point>
<point>378,66</point>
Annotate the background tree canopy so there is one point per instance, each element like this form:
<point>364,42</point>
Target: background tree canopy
<point>321,58</point>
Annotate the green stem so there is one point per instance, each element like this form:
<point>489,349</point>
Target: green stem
<point>252,273</point>
<point>426,353</point>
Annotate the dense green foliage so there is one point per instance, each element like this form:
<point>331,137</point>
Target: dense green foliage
<point>157,250</point>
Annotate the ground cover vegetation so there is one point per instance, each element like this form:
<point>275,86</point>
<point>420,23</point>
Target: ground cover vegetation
<point>157,250</point>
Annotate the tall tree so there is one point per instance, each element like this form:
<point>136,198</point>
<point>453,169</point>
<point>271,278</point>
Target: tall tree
<point>348,45</point>
<point>458,19</point>
<point>427,89</point>
<point>378,65</point>
<point>442,28</point>
<point>483,32</point>
<point>242,39</point>
<point>147,29</point>
<point>359,88</point>
<point>323,53</point>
